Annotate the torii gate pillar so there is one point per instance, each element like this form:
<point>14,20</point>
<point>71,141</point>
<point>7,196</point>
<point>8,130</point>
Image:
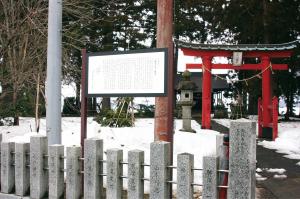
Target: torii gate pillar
<point>267,96</point>
<point>206,92</point>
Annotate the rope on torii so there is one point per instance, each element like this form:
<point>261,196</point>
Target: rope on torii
<point>258,75</point>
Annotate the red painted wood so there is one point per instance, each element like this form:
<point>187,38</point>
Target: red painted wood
<point>259,119</point>
<point>266,92</point>
<point>206,94</point>
<point>163,126</point>
<point>275,117</point>
<point>243,67</point>
<point>266,115</point>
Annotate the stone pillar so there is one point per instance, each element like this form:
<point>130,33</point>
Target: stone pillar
<point>185,175</point>
<point>160,158</point>
<point>56,173</point>
<point>73,178</point>
<point>135,174</point>
<point>187,118</point>
<point>114,172</point>
<point>210,177</point>
<point>21,168</point>
<point>242,159</point>
<point>93,182</point>
<point>38,174</point>
<point>7,168</point>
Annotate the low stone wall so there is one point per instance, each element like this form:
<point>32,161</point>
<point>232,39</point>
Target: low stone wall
<point>37,170</point>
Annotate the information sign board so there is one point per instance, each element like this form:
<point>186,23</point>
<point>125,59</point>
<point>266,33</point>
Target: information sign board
<point>127,73</point>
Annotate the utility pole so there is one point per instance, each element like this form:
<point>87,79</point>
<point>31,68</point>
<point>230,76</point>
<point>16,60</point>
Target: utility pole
<point>163,126</point>
<point>53,82</point>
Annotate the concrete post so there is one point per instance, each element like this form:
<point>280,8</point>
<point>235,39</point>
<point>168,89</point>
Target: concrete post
<point>160,158</point>
<point>56,173</point>
<point>53,82</point>
<point>38,175</point>
<point>93,182</point>
<point>7,168</point>
<point>185,175</point>
<point>135,174</point>
<point>114,172</point>
<point>242,159</point>
<point>73,178</point>
<point>210,177</point>
<point>21,168</point>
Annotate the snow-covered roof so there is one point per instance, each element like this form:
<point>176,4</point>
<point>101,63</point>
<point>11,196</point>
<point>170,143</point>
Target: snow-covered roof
<point>238,47</point>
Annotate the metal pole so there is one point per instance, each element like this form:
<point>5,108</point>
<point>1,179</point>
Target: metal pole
<point>53,83</point>
<point>163,127</point>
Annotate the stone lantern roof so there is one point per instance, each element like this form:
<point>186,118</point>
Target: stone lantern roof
<point>186,83</point>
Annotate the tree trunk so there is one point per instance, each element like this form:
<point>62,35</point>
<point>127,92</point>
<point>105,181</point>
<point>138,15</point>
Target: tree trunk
<point>265,22</point>
<point>106,105</point>
<point>37,105</point>
<point>16,117</point>
<point>253,100</point>
<point>77,95</point>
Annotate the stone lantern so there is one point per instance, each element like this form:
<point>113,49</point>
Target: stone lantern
<point>186,88</point>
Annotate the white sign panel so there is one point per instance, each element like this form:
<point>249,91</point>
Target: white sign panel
<point>131,73</point>
<point>237,58</point>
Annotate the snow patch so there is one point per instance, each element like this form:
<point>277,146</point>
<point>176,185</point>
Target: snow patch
<point>259,177</point>
<point>259,170</point>
<point>279,176</point>
<point>279,171</point>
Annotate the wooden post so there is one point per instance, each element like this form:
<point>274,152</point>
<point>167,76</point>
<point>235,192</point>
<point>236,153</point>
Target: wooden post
<point>163,127</point>
<point>206,92</point>
<point>83,108</point>
<point>266,99</point>
<point>275,117</point>
<point>259,119</point>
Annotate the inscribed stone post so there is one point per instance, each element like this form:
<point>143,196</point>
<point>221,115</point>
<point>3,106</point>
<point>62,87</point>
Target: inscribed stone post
<point>38,174</point>
<point>93,182</point>
<point>210,177</point>
<point>114,172</point>
<point>7,168</point>
<point>242,159</point>
<point>135,174</point>
<point>160,158</point>
<point>56,173</point>
<point>73,178</point>
<point>21,168</point>
<point>185,175</point>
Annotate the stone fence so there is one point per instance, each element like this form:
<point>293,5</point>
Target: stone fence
<point>36,170</point>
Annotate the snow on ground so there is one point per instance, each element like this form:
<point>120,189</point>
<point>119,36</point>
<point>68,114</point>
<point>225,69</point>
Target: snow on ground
<point>139,137</point>
<point>259,177</point>
<point>279,176</point>
<point>288,140</point>
<point>279,171</point>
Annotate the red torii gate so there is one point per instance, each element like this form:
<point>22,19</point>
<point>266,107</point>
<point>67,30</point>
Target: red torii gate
<point>264,52</point>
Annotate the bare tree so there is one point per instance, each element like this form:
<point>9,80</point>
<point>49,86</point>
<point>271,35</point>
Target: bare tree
<point>23,44</point>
